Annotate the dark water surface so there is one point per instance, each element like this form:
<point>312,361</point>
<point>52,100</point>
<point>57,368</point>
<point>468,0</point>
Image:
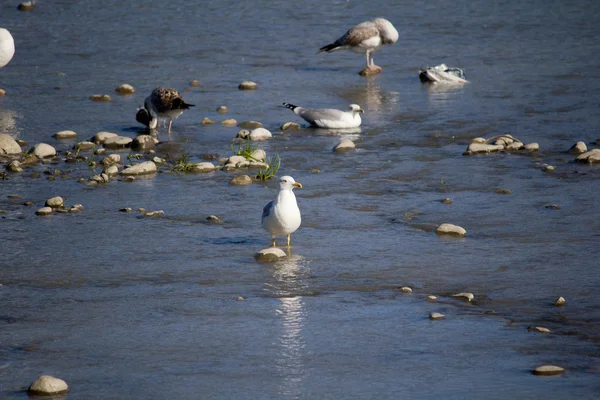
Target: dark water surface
<point>124,307</point>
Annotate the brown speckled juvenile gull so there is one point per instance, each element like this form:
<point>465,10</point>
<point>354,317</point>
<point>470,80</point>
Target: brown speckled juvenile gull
<point>164,103</point>
<point>365,38</point>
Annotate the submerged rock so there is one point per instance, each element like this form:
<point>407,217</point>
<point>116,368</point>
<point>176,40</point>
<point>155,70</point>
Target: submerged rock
<point>292,126</point>
<point>560,302</point>
<point>450,229</point>
<point>248,85</point>
<point>48,385</point>
<point>250,125</point>
<point>465,295</point>
<point>548,370</point>
<point>125,89</point>
<point>55,202</point>
<point>476,148</point>
<point>8,145</point>
<point>222,109</point>
<point>45,211</point>
<point>204,167</point>
<point>436,315</point>
<point>578,148</point>
<point>62,135</point>
<point>532,147</point>
<point>432,299</point>
<point>84,146</point>
<point>146,167</point>
<point>344,145</point>
<point>207,121</point>
<point>117,142</point>
<point>539,329</point>
<point>195,83</point>
<point>15,166</point>
<point>143,143</point>
<point>100,97</point>
<point>100,137</point>
<point>241,180</point>
<point>270,254</point>
<point>591,157</point>
<point>229,122</point>
<point>406,289</point>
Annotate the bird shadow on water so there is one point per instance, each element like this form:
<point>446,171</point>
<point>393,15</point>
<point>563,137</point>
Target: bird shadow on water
<point>371,96</point>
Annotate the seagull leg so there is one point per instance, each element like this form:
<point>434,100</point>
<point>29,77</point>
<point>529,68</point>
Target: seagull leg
<point>288,240</point>
<point>273,239</point>
<point>369,59</point>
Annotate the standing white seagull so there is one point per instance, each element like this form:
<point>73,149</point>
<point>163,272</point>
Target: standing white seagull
<point>329,117</point>
<point>164,103</point>
<point>281,217</point>
<point>365,38</point>
<point>7,47</point>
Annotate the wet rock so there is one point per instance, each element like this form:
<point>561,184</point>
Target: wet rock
<point>532,147</point>
<point>344,145</point>
<point>250,125</point>
<point>99,179</point>
<point>158,160</point>
<point>44,211</point>
<point>15,166</point>
<point>514,146</point>
<point>259,155</point>
<point>43,150</point>
<point>112,170</point>
<point>447,200</point>
<point>8,145</point>
<point>55,202</point>
<point>207,121</point>
<point>76,208</point>
<point>125,89</point>
<point>552,206</point>
<point>405,289</point>
<point>111,159</point>
<point>479,140</point>
<point>477,148</point>
<point>548,168</point>
<point>117,142</point>
<point>146,167</point>
<point>290,126</point>
<point>539,329</point>
<point>240,298</point>
<point>450,229</point>
<point>62,135</point>
<point>143,143</point>
<point>126,209</point>
<point>195,83</point>
<point>270,254</point>
<point>578,148</point>
<point>236,162</point>
<point>591,157</point>
<point>100,97</point>
<point>464,295</point>
<point>2,92</point>
<point>84,146</point>
<point>369,71</point>
<point>229,122</point>
<point>48,385</point>
<point>22,143</point>
<point>548,370</point>
<point>243,134</point>
<point>141,210</point>
<point>26,6</point>
<point>560,302</point>
<point>432,299</point>
<point>260,134</point>
<point>241,180</point>
<point>258,165</point>
<point>154,214</point>
<point>436,315</point>
<point>221,109</point>
<point>503,191</point>
<point>248,85</point>
<point>100,137</point>
<point>204,167</point>
<point>213,219</point>
<point>13,196</point>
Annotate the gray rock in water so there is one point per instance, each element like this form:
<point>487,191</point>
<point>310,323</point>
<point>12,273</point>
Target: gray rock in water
<point>222,109</point>
<point>62,135</point>
<point>146,167</point>
<point>154,214</point>
<point>204,167</point>
<point>55,202</point>
<point>432,299</point>
<point>465,295</point>
<point>560,302</point>
<point>143,143</point>
<point>591,157</point>
<point>248,85</point>
<point>405,289</point>
<point>344,145</point>
<point>48,385</point>
<point>578,148</point>
<point>125,89</point>
<point>207,121</point>
<point>250,125</point>
<point>293,126</point>
<point>515,146</point>
<point>15,166</point>
<point>45,211</point>
<point>539,329</point>
<point>84,146</point>
<point>243,134</point>
<point>449,229</point>
<point>8,145</point>
<point>43,150</point>
<point>213,219</point>
<point>229,122</point>
<point>260,134</point>
<point>477,148</point>
<point>259,155</point>
<point>532,147</point>
<point>100,137</point>
<point>436,315</point>
<point>117,142</point>
<point>241,180</point>
<point>270,254</point>
<point>548,370</point>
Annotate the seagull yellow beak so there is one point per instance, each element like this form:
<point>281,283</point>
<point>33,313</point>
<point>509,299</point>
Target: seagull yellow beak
<point>360,110</point>
<point>297,184</point>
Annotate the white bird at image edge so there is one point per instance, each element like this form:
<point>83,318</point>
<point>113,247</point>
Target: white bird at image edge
<point>281,217</point>
<point>7,47</point>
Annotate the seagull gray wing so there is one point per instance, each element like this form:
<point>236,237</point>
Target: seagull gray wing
<point>358,34</point>
<point>267,209</point>
<point>312,115</point>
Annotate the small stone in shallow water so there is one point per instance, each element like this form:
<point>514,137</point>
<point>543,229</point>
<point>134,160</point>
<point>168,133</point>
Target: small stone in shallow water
<point>503,191</point>
<point>112,170</point>
<point>141,210</point>
<point>45,211</point>
<point>146,167</point>
<point>13,196</point>
<point>539,329</point>
<point>100,137</point>
<point>207,121</point>
<point>515,146</point>
<point>65,135</point>
<point>270,254</point>
<point>126,209</point>
<point>43,150</point>
<point>548,370</point>
<point>552,206</point>
<point>204,167</point>
<point>450,229</point>
<point>143,143</point>
<point>465,295</point>
<point>405,289</point>
<point>48,385</point>
<point>213,219</point>
<point>548,168</point>
<point>117,142</point>
<point>15,166</point>
<point>436,315</point>
<point>241,180</point>
<point>432,299</point>
<point>447,200</point>
<point>290,126</point>
<point>578,148</point>
<point>154,214</point>
<point>222,109</point>
<point>344,145</point>
<point>560,302</point>
<point>2,92</point>
<point>8,145</point>
<point>100,97</point>
<point>475,148</point>
<point>84,146</point>
<point>125,89</point>
<point>240,298</point>
<point>248,85</point>
<point>260,134</point>
<point>591,157</point>
<point>76,208</point>
<point>532,147</point>
<point>229,122</point>
<point>26,6</point>
<point>195,83</point>
<point>259,154</point>
<point>55,202</point>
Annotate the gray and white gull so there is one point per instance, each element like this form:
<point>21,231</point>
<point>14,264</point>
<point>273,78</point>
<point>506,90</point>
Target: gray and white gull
<point>328,117</point>
<point>366,37</point>
<point>281,217</point>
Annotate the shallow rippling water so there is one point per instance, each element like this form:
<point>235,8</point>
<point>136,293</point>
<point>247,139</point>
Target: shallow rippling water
<point>125,307</point>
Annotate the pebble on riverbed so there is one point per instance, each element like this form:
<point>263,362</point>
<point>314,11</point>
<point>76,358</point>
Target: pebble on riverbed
<point>560,302</point>
<point>405,289</point>
<point>548,370</point>
<point>222,109</point>
<point>117,142</point>
<point>590,157</point>
<point>270,254</point>
<point>229,122</point>
<point>450,229</point>
<point>146,167</point>
<point>45,211</point>
<point>436,315</point>
<point>290,126</point>
<point>8,145</point>
<point>100,97</point>
<point>250,125</point>
<point>539,329</point>
<point>62,135</point>
<point>241,180</point>
<point>48,385</point>
<point>43,150</point>
<point>55,202</point>
<point>204,167</point>
<point>578,148</point>
<point>344,145</point>
<point>465,295</point>
<point>432,298</point>
<point>248,85</point>
<point>125,89</point>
